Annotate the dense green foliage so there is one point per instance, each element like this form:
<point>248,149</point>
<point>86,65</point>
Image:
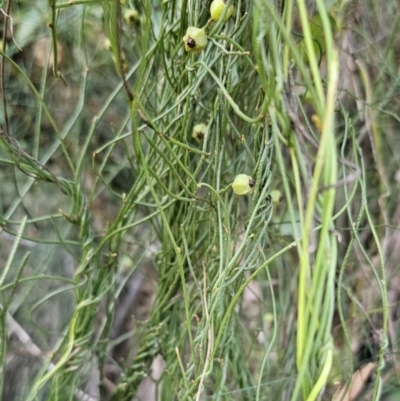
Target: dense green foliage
<point>131,268</point>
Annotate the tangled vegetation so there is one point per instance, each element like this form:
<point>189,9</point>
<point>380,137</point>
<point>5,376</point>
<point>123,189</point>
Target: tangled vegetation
<point>199,200</point>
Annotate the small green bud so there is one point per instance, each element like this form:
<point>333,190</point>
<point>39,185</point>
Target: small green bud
<point>243,184</point>
<point>107,43</point>
<point>195,40</point>
<point>122,62</point>
<point>276,196</point>
<point>199,131</point>
<point>217,9</point>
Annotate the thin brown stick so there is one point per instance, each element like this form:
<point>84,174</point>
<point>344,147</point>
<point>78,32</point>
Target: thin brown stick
<point>52,26</point>
<point>6,14</point>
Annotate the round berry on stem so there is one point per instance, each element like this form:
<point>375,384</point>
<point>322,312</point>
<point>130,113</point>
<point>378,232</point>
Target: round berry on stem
<point>217,9</point>
<point>199,132</point>
<point>195,40</point>
<point>243,184</point>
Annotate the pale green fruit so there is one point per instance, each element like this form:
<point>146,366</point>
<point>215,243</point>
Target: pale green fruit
<point>107,43</point>
<point>195,40</point>
<point>199,132</point>
<point>243,184</point>
<point>217,8</point>
<point>276,196</point>
<point>131,16</point>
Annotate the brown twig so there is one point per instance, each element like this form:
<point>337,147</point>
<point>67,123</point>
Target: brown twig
<point>6,14</point>
<point>52,26</point>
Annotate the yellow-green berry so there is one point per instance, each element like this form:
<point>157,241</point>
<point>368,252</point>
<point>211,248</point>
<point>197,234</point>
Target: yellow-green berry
<point>195,40</point>
<point>107,43</point>
<point>243,184</point>
<point>199,131</point>
<point>276,196</point>
<point>131,16</point>
<point>217,9</point>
